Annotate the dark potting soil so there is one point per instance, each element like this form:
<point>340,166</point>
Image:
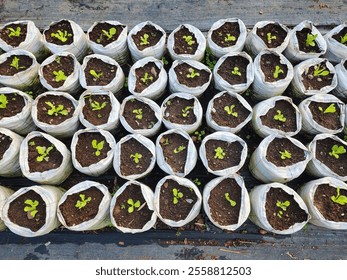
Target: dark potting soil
<point>75,216</point>
<point>128,164</point>
<point>180,210</point>
<point>52,161</point>
<point>17,215</point>
<point>139,115</point>
<point>337,165</point>
<point>97,116</point>
<point>24,62</point>
<point>174,156</point>
<point>139,217</point>
<point>145,76</point>
<point>11,36</point>
<point>102,33</point>
<point>228,67</point>
<point>340,35</point>
<point>85,153</point>
<point>278,145</point>
<point>330,210</point>
<point>302,36</point>
<point>311,82</point>
<point>15,105</point>
<point>220,114</point>
<point>221,209</point>
<point>61,63</point>
<point>222,35</point>
<point>63,29</point>
<point>276,31</point>
<point>328,120</point>
<point>268,63</point>
<point>181,39</point>
<point>288,112</point>
<point>5,143</point>
<point>154,36</point>
<point>184,70</point>
<point>180,111</point>
<point>106,72</point>
<point>43,109</point>
<point>286,218</point>
<point>231,158</point>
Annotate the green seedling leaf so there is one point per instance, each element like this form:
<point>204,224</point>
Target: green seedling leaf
<point>197,182</point>
<point>43,153</point>
<point>279,116</point>
<point>96,105</point>
<point>192,74</point>
<point>283,207</point>
<point>95,74</point>
<point>320,71</point>
<point>208,59</point>
<point>339,199</point>
<point>147,78</point>
<point>3,101</point>
<point>30,208</point>
<point>15,63</point>
<point>229,38</point>
<point>189,40</point>
<point>330,109</point>
<point>310,40</point>
<point>98,146</point>
<point>14,33</point>
<point>219,153</point>
<point>232,202</point>
<point>56,110</point>
<point>285,154</point>
<point>343,39</point>
<point>176,195</point>
<point>82,202</point>
<point>185,111</point>
<point>144,39</point>
<point>236,71</point>
<point>59,76</point>
<point>337,150</point>
<point>179,149</point>
<point>278,71</point>
<point>136,157</point>
<point>133,205</point>
<point>229,110</point>
<point>138,113</point>
<point>61,35</point>
<point>270,38</point>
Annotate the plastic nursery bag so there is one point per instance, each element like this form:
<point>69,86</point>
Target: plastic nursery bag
<point>149,200</point>
<point>153,91</point>
<point>258,212</point>
<point>228,137</point>
<point>201,41</point>
<point>267,172</point>
<point>156,51</point>
<point>50,196</point>
<point>219,51</point>
<point>64,129</point>
<point>222,84</point>
<point>211,122</point>
<point>341,73</point>
<point>118,50</point>
<point>335,49</point>
<point>148,132</point>
<point>22,123</point>
<point>101,219</point>
<point>262,109</point>
<point>9,164</point>
<point>263,89</point>
<point>101,166</point>
<point>53,176</point>
<point>5,193</point>
<point>309,125</point>
<point>192,154</point>
<point>194,212</point>
<point>307,192</point>
<point>245,207</point>
<point>176,86</point>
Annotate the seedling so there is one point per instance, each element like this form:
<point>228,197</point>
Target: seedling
<point>15,63</point>
<point>98,146</point>
<point>219,153</point>
<point>310,40</point>
<point>283,206</point>
<point>185,111</point>
<point>3,101</point>
<point>236,71</point>
<point>208,59</point>
<point>165,141</point>
<point>197,182</point>
<point>109,34</point>
<point>14,33</point>
<point>32,143</point>
<point>57,59</point>
<point>146,78</point>
<point>279,116</point>
<point>59,76</point>
<point>192,73</point>
<point>179,149</point>
<point>229,110</point>
<point>31,208</point>
<point>83,202</point>
<point>176,195</point>
<point>232,202</point>
<point>96,105</point>
<point>125,82</point>
<point>56,110</point>
<point>136,157</point>
<point>330,109</point>
<point>285,154</point>
<point>138,113</point>
<point>189,40</point>
<point>278,71</point>
<point>95,74</point>
<point>340,199</point>
<point>270,37</point>
<point>164,60</point>
<point>133,205</point>
<point>229,38</point>
<point>200,134</point>
<point>320,71</point>
<point>343,39</point>
<point>61,35</point>
<point>337,150</point>
<point>43,153</point>
<point>144,39</point>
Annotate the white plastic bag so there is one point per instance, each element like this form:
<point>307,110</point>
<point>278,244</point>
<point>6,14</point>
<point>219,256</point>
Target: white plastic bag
<point>227,137</point>
<point>101,166</point>
<point>154,90</point>
<point>101,219</point>
<point>53,176</point>
<point>185,183</point>
<point>309,125</point>
<point>9,164</point>
<point>341,73</point>
<point>335,50</point>
<point>219,51</point>
<point>258,212</point>
<point>267,172</point>
<point>222,84</point>
<point>176,86</point>
<point>245,207</point>
<point>200,40</point>
<point>5,193</point>
<point>149,200</point>
<point>50,195</point>
<point>212,123</point>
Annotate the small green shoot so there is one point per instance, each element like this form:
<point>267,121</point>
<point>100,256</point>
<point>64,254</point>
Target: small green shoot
<point>83,202</point>
<point>200,134</point>
<point>285,154</point>
<point>14,33</point>
<point>189,40</point>
<point>61,36</point>
<point>147,78</point>
<point>236,71</point>
<point>283,206</point>
<point>58,59</point>
<point>330,109</point>
<point>125,82</point>
<point>343,39</point>
<point>232,202</point>
<point>43,153</point>
<point>165,141</point>
<point>95,74</point>
<point>59,76</point>
<point>229,38</point>
<point>229,110</point>
<point>56,110</point>
<point>133,205</point>
<point>32,143</point>
<point>164,60</point>
<point>337,150</point>
<point>96,105</point>
<point>31,208</point>
<point>219,153</point>
<point>144,39</point>
<point>197,182</point>
<point>278,71</point>
<point>136,157</point>
<point>15,63</point>
<point>270,37</point>
<point>208,59</point>
<point>279,116</point>
<point>185,111</point>
<point>340,199</point>
<point>320,71</point>
<point>179,149</point>
<point>109,34</point>
<point>310,40</point>
<point>192,74</point>
<point>176,195</point>
<point>98,146</point>
<point>3,101</point>
<point>138,113</point>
